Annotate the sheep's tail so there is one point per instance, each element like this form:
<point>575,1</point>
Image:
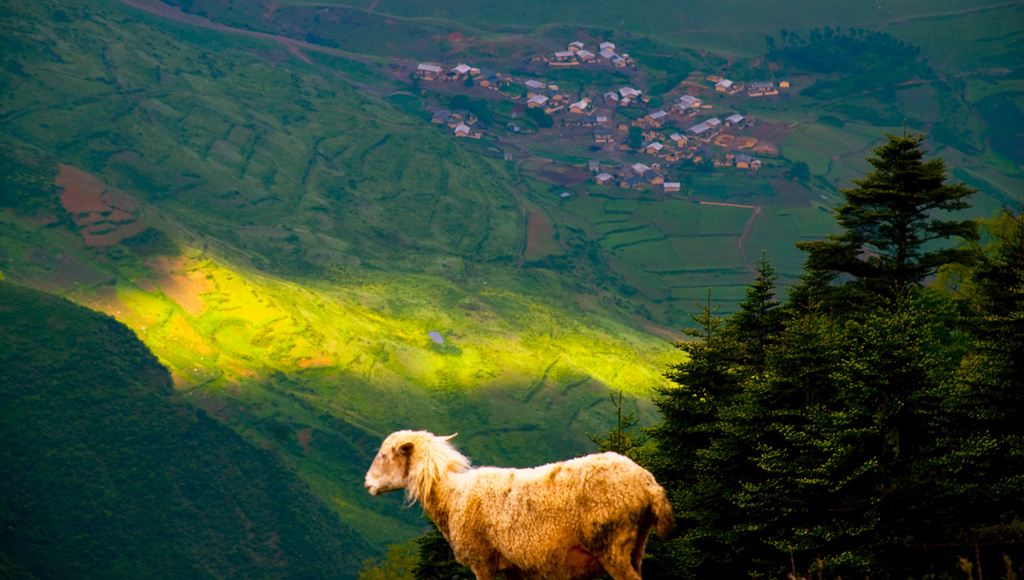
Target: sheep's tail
<point>662,509</point>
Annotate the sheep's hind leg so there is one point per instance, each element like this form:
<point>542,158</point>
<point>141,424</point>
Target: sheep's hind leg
<point>618,566</point>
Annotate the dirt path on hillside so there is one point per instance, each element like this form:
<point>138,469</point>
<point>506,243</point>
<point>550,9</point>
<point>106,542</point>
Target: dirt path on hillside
<point>746,230</point>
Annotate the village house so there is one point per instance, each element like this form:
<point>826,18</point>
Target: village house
<point>729,87</point>
<point>534,86</point>
<point>619,62</point>
<point>606,46</point>
<point>654,148</point>
<point>670,186</point>
<point>639,168</point>
<point>632,182</point>
<point>603,136</point>
<point>441,117</point>
<point>630,92</point>
<point>580,107</point>
<point>653,177</point>
<point>463,130</point>
<point>459,72</point>
<point>713,122</point>
<point>655,119</point>
<point>687,102</point>
<point>428,72</point>
<point>761,89</point>
<point>607,54</point>
<point>493,82</point>
<point>747,162</point>
<point>594,165</point>
<point>603,178</point>
<point>564,58</point>
<point>784,84</point>
<point>701,131</point>
<point>537,101</point>
<point>736,120</point>
<point>678,140</point>
<point>611,98</point>
<point>576,46</point>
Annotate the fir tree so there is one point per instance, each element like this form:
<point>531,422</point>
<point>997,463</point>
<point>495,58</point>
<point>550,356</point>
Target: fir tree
<point>890,217</point>
<point>759,320</point>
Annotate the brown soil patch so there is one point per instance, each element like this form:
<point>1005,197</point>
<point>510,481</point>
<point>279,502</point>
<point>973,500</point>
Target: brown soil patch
<point>540,238</point>
<point>103,215</point>
<point>305,438</point>
<point>316,362</point>
<point>146,285</point>
<point>564,176</point>
<point>185,289</point>
<point>768,135</point>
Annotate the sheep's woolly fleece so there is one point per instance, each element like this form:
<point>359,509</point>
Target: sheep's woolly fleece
<point>572,519</point>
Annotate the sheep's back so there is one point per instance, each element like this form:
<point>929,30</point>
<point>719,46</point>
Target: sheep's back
<point>535,516</point>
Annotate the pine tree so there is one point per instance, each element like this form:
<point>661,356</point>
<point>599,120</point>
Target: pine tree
<point>622,439</point>
<point>890,217</point>
<point>759,319</point>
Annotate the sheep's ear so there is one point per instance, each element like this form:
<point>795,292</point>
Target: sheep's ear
<point>449,438</point>
<point>406,448</point>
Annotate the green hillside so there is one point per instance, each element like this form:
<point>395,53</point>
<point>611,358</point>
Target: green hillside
<point>108,473</point>
<point>257,191</point>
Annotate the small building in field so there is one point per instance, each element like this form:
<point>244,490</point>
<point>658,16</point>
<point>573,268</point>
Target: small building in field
<point>537,101</point>
<point>670,186</point>
<point>580,106</point>
<point>603,178</point>
<point>631,182</point>
<point>736,120</point>
<point>428,72</point>
<point>653,177</point>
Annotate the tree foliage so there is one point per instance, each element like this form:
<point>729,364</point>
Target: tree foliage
<point>880,436</point>
<point>890,221</point>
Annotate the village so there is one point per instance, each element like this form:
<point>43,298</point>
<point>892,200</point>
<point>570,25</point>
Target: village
<point>681,133</point>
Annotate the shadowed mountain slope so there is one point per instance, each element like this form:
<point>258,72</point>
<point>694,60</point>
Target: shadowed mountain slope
<point>108,473</point>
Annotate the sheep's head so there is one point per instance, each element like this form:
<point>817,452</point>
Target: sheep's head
<point>391,468</point>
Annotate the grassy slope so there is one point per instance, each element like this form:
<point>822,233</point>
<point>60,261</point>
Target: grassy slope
<point>327,232</point>
<point>324,235</point>
<point>109,473</point>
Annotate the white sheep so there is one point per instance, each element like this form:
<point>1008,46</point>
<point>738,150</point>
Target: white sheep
<point>574,519</point>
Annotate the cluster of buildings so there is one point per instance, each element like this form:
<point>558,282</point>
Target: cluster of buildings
<point>460,121</point>
<point>577,54</point>
<point>671,133</point>
<point>753,89</point>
